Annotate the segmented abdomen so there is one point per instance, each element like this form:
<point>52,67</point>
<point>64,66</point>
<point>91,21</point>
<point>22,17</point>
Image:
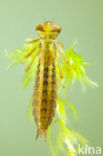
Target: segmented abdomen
<point>45,92</point>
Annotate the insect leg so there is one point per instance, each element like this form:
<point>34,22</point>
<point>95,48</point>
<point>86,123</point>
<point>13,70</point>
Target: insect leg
<point>32,41</point>
<point>61,74</point>
<point>27,68</point>
<point>60,71</point>
<point>28,54</point>
<point>61,53</point>
<point>60,44</point>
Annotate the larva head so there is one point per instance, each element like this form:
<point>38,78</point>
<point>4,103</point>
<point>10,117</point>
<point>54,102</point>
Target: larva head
<point>48,30</point>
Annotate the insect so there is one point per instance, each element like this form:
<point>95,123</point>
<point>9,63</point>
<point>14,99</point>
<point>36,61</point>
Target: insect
<point>45,89</point>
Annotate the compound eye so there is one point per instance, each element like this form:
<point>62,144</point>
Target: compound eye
<point>56,29</point>
<point>59,29</point>
<point>39,27</point>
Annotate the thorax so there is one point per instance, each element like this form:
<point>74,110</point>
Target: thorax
<point>47,51</point>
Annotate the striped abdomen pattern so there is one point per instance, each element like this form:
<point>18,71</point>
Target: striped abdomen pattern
<point>45,90</point>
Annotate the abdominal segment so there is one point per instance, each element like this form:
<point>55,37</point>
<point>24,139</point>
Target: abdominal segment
<point>45,93</point>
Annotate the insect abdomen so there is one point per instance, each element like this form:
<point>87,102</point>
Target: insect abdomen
<point>45,92</point>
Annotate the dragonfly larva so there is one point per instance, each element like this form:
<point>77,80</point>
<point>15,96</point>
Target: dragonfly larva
<point>45,89</point>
